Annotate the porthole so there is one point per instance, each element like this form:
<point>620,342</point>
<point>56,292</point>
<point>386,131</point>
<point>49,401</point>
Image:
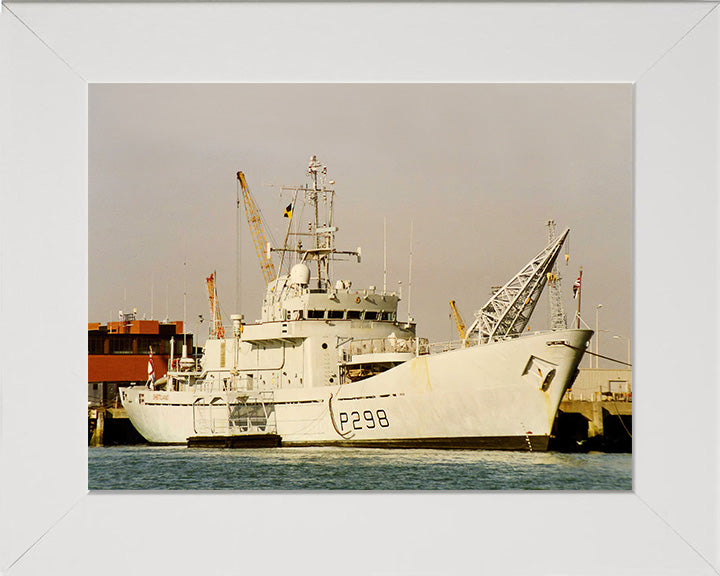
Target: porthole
<point>324,345</point>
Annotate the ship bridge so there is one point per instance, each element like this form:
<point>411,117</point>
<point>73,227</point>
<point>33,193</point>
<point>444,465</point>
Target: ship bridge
<point>290,298</point>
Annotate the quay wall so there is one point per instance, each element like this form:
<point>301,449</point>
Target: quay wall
<point>596,413</point>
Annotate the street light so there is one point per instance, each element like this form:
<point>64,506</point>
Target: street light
<point>629,341</point>
<point>597,335</point>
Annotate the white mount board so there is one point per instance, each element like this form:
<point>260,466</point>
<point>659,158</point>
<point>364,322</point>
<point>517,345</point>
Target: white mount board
<point>48,522</point>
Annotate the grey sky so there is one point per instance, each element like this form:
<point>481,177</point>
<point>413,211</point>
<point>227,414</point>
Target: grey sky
<point>478,168</point>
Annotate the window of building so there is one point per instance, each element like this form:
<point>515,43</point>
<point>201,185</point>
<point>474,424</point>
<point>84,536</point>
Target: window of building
<point>95,344</point>
<point>121,345</point>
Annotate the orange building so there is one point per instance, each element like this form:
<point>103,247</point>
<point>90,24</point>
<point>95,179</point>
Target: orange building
<point>118,354</point>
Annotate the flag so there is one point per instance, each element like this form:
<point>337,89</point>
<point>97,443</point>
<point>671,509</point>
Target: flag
<point>151,372</point>
<point>576,287</point>
<point>288,212</point>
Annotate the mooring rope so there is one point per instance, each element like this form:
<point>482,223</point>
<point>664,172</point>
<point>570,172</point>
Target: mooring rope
<point>598,355</point>
<point>612,360</point>
<point>621,420</point>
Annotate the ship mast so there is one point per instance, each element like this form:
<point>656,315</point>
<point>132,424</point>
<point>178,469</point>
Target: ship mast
<point>322,230</point>
<point>314,168</point>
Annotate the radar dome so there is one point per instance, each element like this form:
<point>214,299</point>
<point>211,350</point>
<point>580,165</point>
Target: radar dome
<point>300,274</point>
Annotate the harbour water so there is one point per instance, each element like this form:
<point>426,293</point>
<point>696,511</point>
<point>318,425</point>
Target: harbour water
<point>181,468</point>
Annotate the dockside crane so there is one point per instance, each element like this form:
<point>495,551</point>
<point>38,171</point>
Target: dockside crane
<point>558,320</point>
<point>459,324</point>
<point>257,230</point>
<point>218,331</point>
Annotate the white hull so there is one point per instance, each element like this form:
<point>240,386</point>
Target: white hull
<point>490,396</point>
<point>331,364</point>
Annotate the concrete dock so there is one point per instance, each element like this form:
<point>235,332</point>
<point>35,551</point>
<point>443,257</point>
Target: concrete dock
<point>585,425</point>
<point>596,413</point>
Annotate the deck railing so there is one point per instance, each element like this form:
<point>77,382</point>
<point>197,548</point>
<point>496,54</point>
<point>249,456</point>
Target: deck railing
<point>383,346</point>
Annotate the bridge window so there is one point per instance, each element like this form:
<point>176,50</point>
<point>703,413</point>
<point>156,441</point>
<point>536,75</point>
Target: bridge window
<point>371,315</point>
<point>354,314</point>
<point>336,314</point>
<point>315,314</point>
<point>387,316</point>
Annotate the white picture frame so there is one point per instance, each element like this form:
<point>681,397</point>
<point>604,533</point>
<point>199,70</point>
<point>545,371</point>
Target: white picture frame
<point>49,523</point>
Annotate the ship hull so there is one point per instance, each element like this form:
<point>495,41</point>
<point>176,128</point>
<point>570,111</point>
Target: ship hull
<point>502,395</point>
<point>533,443</point>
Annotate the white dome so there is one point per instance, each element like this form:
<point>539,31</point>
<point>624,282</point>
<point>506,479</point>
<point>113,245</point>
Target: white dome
<point>300,274</point>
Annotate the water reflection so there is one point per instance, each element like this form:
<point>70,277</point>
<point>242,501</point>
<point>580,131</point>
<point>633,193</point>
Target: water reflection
<point>180,468</point>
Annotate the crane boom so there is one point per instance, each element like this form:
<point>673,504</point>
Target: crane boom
<point>218,331</point>
<point>508,311</point>
<point>257,230</point>
<point>459,324</point>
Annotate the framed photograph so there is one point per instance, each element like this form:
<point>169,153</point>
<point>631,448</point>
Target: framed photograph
<point>415,196</point>
<point>55,55</point>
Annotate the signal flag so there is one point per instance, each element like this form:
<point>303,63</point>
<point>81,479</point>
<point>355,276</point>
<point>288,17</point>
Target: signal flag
<point>151,373</point>
<point>576,287</point>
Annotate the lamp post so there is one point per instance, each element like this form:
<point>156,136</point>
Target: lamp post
<point>629,341</point>
<point>597,335</point>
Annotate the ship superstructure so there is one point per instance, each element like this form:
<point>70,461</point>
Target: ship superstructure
<point>330,363</point>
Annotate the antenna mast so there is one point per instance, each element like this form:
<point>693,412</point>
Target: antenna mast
<point>184,308</point>
<point>322,246</point>
<point>384,254</point>
<point>313,168</point>
<point>410,271</point>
